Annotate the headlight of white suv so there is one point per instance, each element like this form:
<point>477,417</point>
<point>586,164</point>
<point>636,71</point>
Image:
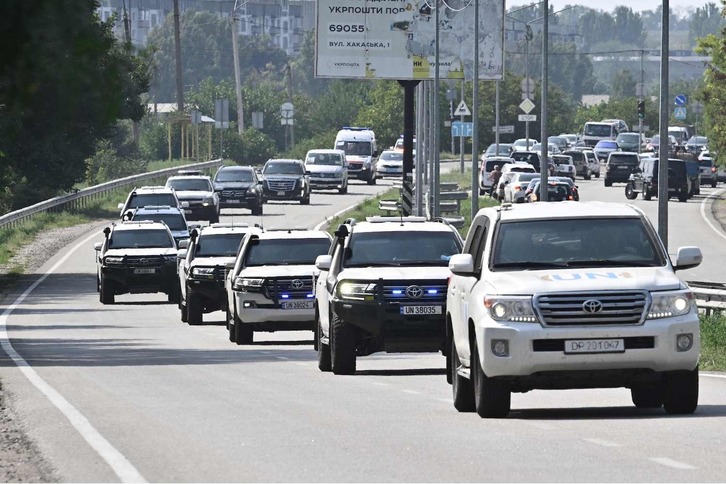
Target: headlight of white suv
<point>357,291</point>
<point>510,308</point>
<point>208,201</point>
<point>244,283</point>
<point>112,260</point>
<point>203,272</point>
<point>669,304</point>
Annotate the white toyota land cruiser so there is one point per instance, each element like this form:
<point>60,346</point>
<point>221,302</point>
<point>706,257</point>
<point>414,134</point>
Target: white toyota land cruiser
<point>570,295</point>
<point>383,289</point>
<point>270,287</point>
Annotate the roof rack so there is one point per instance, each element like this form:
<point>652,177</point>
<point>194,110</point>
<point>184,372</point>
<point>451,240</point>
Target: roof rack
<point>380,219</point>
<point>356,128</point>
<point>155,207</point>
<point>227,225</point>
<point>139,222</point>
<point>190,171</point>
<point>286,229</point>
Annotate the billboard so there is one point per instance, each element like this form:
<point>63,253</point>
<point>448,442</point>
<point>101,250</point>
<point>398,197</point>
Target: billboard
<point>396,39</point>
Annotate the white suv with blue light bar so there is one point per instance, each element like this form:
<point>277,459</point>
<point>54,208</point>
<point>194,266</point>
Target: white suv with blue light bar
<point>270,287</point>
<point>570,295</point>
<point>383,289</point>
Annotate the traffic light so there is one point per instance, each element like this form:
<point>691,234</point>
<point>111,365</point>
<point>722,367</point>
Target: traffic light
<point>641,109</point>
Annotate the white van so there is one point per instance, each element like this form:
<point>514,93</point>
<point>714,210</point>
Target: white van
<point>360,149</point>
<point>593,132</point>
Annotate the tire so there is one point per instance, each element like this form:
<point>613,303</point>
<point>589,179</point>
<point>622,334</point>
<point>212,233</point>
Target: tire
<point>630,194</point>
<point>646,193</point>
<point>230,326</point>
<point>462,387</point>
<point>195,309</point>
<point>324,362</point>
<point>587,176</point>
<point>257,210</point>
<point>183,310</point>
<point>492,398</point>
<point>106,294</point>
<point>214,218</point>
<point>173,295</point>
<point>681,392</point>
<point>608,183</point>
<point>713,183</point>
<point>342,347</point>
<point>243,333</point>
<point>682,197</point>
<point>597,175</point>
<point>305,200</point>
<point>344,189</point>
<point>648,396</point>
<point>372,180</point>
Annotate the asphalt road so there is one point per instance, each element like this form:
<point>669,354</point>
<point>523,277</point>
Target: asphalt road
<point>128,392</point>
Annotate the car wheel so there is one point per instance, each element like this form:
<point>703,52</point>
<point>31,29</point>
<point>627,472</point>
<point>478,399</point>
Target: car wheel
<point>214,218</point>
<point>608,183</point>
<point>183,310</point>
<point>646,193</point>
<point>372,180</point>
<point>681,392</point>
<point>713,183</point>
<point>324,360</point>
<point>630,194</point>
<point>344,189</point>
<point>492,398</point>
<point>648,396</point>
<point>682,196</point>
<point>195,309</point>
<point>305,200</point>
<point>597,174</point>
<point>243,333</point>
<point>230,325</point>
<point>106,294</point>
<point>257,209</point>
<point>462,387</point>
<point>173,294</point>
<point>587,175</point>
<point>342,347</point>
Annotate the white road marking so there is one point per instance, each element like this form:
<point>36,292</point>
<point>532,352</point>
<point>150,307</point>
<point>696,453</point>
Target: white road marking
<point>124,470</point>
<point>712,375</point>
<point>444,400</point>
<point>604,443</point>
<point>282,357</point>
<point>300,363</point>
<point>379,383</point>
<point>541,426</point>
<point>714,197</point>
<point>336,214</point>
<point>411,392</point>
<point>672,463</point>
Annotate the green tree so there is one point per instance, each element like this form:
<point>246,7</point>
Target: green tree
<point>623,85</point>
<point>704,21</point>
<point>714,92</point>
<point>628,26</point>
<point>384,112</point>
<point>65,81</point>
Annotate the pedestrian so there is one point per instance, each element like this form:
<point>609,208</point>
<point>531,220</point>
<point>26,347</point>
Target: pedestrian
<point>494,176</point>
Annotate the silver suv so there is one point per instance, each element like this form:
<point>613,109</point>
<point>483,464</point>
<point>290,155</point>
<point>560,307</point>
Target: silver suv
<point>270,287</point>
<point>383,289</point>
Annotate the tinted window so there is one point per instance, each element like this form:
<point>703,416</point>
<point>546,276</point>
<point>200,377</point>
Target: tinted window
<point>175,221</point>
<point>234,176</point>
<point>218,245</point>
<point>191,184</point>
<point>599,130</point>
<point>264,252</point>
<point>401,249</point>
<point>623,159</point>
<point>575,243</point>
<point>283,169</point>
<point>324,159</point>
<point>142,200</point>
<point>140,239</point>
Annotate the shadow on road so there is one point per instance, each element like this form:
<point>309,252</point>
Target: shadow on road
<point>606,413</point>
<point>403,372</point>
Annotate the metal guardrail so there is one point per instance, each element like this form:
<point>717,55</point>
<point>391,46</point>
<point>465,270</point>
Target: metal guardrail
<point>79,198</point>
<point>710,296</point>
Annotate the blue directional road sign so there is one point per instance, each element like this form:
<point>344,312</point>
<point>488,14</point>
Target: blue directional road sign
<point>681,100</point>
<point>462,129</point>
<point>679,113</point>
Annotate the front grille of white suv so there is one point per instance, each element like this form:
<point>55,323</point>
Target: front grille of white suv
<point>292,287</point>
<point>423,291</point>
<point>592,308</point>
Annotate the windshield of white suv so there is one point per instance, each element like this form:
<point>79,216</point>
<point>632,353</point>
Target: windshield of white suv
<point>416,248</point>
<point>283,169</point>
<point>140,239</point>
<point>190,184</point>
<point>357,148</point>
<point>276,252</point>
<point>175,221</point>
<point>242,176</point>
<point>219,245</point>
<point>324,159</point>
<point>619,242</point>
<point>142,200</point>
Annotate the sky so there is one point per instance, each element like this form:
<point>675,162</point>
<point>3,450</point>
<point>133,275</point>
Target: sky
<point>678,6</point>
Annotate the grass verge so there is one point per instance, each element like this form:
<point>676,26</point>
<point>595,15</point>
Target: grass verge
<point>713,343</point>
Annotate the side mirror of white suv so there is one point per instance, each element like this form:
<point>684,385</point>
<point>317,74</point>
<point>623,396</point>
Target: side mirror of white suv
<point>322,262</point>
<point>462,264</point>
<point>688,257</point>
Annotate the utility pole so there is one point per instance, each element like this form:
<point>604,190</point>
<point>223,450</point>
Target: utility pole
<point>127,26</point>
<point>237,80</point>
<point>289,99</point>
<point>177,55</point>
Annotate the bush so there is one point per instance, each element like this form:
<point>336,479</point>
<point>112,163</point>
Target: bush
<point>153,140</point>
<point>106,165</point>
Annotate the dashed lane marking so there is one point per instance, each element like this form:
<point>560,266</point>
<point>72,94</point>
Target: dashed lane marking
<point>604,443</point>
<point>672,463</point>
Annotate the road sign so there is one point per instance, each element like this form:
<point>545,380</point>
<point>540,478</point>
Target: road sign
<point>527,106</point>
<point>257,120</point>
<point>697,108</point>
<point>462,129</point>
<point>221,113</point>
<point>287,111</point>
<point>527,85</point>
<point>527,117</point>
<point>462,110</point>
<point>640,90</point>
<point>681,100</point>
<point>506,129</point>
<point>680,113</point>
